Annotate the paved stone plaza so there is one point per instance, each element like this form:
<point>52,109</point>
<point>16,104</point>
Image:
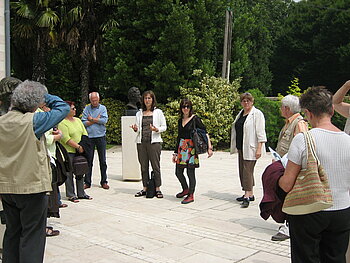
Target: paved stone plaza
<point>117,227</point>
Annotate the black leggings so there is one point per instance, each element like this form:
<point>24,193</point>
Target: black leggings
<point>191,177</point>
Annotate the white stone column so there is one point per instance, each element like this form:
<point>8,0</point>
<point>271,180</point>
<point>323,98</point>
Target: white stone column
<point>130,162</point>
<point>2,75</point>
<point>2,40</point>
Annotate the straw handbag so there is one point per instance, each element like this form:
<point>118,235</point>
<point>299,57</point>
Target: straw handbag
<point>311,192</point>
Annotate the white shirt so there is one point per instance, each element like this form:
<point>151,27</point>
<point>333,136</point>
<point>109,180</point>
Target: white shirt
<point>333,151</point>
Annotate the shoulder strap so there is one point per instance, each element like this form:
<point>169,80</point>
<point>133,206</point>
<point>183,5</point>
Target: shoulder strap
<point>311,146</point>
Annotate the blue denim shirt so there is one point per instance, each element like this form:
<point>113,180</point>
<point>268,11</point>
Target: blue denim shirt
<point>97,129</point>
<point>44,121</point>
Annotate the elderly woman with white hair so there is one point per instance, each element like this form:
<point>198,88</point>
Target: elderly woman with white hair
<point>25,170</point>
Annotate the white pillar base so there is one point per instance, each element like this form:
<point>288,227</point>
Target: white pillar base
<point>130,164</point>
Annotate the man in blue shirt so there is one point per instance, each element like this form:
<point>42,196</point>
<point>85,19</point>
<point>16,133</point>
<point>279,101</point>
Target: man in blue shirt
<point>95,118</point>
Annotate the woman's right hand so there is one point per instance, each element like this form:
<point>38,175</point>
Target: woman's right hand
<point>80,149</point>
<point>134,127</point>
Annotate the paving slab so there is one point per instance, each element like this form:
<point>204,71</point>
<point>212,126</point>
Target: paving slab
<point>117,227</point>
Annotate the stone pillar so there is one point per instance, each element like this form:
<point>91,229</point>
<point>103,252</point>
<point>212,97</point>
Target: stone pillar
<point>2,75</point>
<point>130,162</point>
<point>2,40</point>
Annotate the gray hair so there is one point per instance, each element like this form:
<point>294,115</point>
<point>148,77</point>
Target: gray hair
<point>28,96</point>
<point>292,102</point>
<point>97,94</point>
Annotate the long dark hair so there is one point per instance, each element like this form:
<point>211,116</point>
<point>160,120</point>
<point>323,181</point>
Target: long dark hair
<point>154,101</point>
<point>186,102</point>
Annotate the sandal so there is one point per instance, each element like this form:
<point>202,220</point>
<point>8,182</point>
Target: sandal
<point>141,193</point>
<point>51,232</point>
<point>159,194</point>
<point>73,199</point>
<point>63,205</point>
<point>87,197</point>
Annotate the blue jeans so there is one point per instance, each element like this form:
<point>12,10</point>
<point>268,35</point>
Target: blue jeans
<point>100,143</point>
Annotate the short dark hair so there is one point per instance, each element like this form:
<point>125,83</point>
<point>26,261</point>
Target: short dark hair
<point>154,101</point>
<point>317,100</point>
<point>186,102</point>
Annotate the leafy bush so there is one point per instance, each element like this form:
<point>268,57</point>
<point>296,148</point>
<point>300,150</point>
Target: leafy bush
<point>116,110</point>
<point>213,101</point>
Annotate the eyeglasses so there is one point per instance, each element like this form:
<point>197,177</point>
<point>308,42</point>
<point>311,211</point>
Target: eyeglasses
<point>185,107</point>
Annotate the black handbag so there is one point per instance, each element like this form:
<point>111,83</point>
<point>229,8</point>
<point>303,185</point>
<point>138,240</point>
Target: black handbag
<point>200,139</point>
<point>80,165</point>
<point>151,187</point>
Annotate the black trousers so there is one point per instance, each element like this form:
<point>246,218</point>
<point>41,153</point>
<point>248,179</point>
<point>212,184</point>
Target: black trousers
<point>24,239</point>
<point>320,237</point>
<point>179,171</point>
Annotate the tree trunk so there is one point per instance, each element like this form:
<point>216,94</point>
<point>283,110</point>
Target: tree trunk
<point>84,80</point>
<point>39,61</point>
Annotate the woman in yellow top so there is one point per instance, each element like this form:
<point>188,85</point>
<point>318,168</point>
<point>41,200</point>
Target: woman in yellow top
<point>72,130</point>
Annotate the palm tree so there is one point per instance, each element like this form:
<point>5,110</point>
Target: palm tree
<point>82,26</point>
<point>35,23</point>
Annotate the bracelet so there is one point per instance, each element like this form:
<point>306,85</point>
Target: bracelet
<point>79,147</point>
<point>210,148</point>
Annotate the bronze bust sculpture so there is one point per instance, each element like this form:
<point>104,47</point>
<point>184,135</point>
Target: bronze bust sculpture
<point>133,105</point>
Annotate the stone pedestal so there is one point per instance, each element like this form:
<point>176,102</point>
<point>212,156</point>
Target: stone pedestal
<point>130,162</point>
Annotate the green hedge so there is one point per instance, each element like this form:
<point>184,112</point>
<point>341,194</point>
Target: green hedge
<point>115,109</point>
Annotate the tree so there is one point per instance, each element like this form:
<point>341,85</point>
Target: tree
<point>175,54</point>
<point>82,24</point>
<point>256,26</point>
<point>313,47</point>
<point>35,23</point>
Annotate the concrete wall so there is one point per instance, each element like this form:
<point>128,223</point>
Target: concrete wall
<point>2,40</point>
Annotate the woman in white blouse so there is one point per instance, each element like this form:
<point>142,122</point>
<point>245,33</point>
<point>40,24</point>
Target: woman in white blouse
<point>150,123</point>
<point>322,236</point>
<point>248,137</point>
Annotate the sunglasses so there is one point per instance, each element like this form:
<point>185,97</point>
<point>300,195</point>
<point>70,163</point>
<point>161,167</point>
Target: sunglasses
<point>74,108</point>
<point>185,107</point>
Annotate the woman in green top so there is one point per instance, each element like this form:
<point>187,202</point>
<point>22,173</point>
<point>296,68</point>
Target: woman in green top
<point>72,129</point>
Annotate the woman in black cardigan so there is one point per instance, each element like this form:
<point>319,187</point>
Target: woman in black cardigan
<point>185,155</point>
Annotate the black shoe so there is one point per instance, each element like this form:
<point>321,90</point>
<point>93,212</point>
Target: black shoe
<point>240,199</point>
<point>245,203</point>
<point>279,237</point>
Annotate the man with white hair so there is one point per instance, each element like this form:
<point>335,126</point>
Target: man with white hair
<point>25,175</point>
<point>95,118</point>
<point>295,123</point>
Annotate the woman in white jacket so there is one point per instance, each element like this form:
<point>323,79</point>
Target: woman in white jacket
<point>248,137</point>
<point>150,122</point>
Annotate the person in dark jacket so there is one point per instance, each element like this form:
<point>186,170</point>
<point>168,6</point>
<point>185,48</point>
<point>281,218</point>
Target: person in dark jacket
<point>185,155</point>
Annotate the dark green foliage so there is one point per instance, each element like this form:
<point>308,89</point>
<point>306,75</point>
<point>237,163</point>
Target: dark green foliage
<point>314,47</point>
<point>115,109</point>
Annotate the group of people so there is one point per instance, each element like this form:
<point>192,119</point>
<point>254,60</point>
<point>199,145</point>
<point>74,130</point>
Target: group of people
<point>26,135</point>
<point>150,122</point>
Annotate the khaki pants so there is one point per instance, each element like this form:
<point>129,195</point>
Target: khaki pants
<point>246,172</point>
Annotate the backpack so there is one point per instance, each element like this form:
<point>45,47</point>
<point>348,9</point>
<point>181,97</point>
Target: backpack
<point>80,166</point>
